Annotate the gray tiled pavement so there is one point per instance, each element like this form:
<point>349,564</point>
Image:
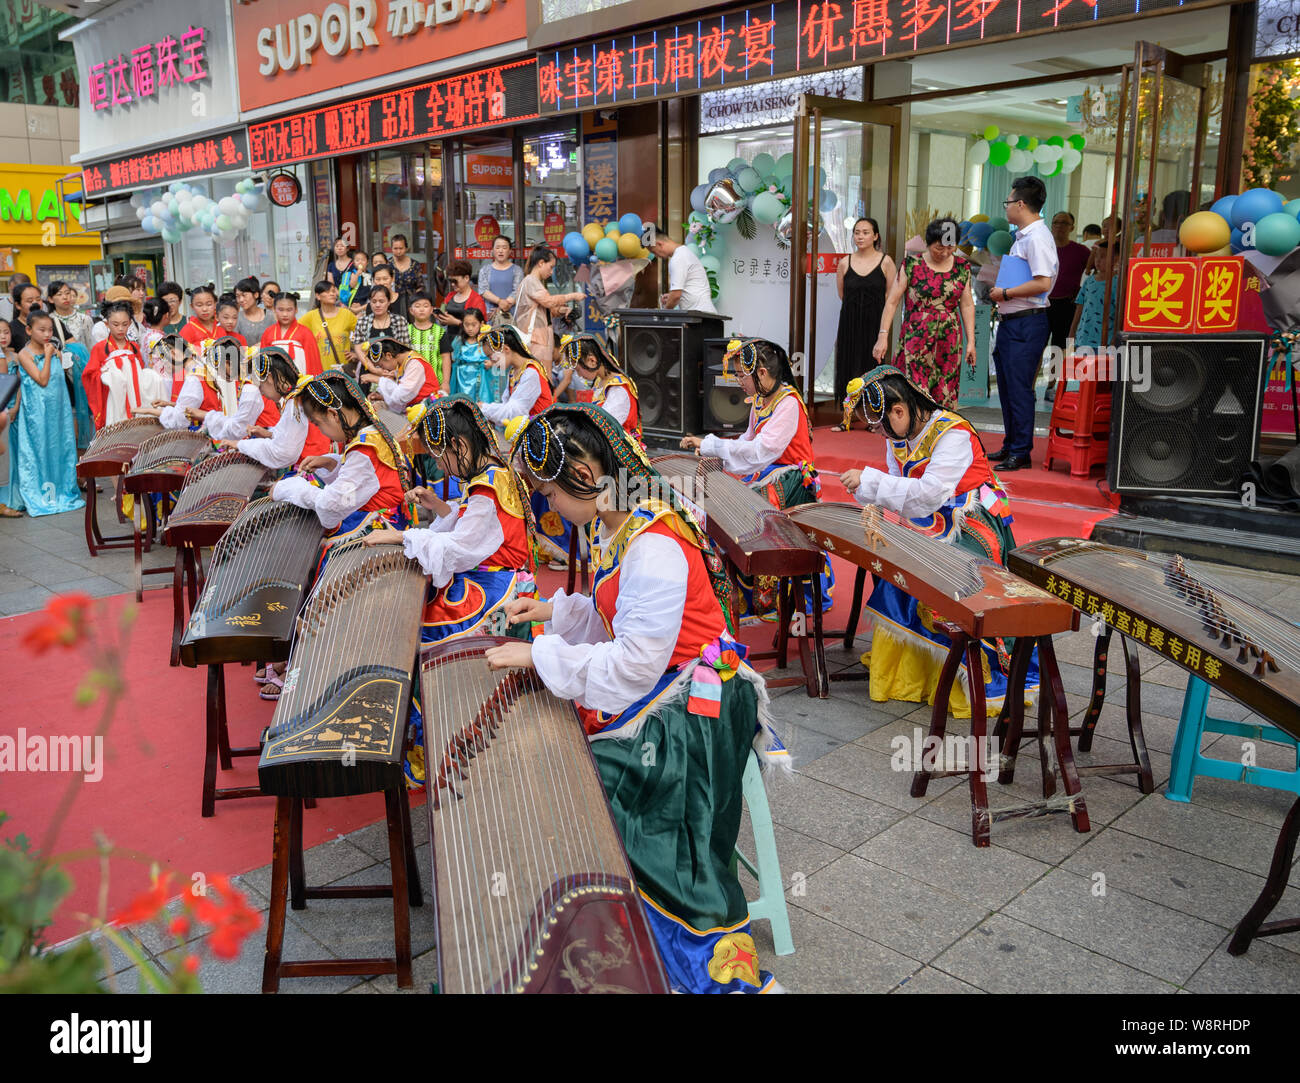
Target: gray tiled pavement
<point>888,894</point>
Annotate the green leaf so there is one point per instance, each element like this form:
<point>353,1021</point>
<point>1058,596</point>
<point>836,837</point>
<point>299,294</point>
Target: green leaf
<point>746,224</point>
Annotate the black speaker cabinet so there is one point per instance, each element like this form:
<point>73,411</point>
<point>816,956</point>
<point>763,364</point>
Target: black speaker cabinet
<point>1186,414</point>
<point>725,408</point>
<point>663,351</point>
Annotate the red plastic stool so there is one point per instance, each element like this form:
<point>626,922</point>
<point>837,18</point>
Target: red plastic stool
<point>1079,431</point>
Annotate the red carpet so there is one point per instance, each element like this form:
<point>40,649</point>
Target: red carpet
<point>147,803</point>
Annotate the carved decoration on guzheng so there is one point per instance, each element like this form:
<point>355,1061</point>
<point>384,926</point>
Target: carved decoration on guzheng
<point>1020,589</point>
<point>584,973</point>
<point>900,579</point>
<point>245,620</point>
<point>276,607</point>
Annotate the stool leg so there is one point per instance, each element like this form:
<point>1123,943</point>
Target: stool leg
<point>1059,720</point>
<point>1274,886</point>
<point>855,610</point>
<point>939,712</point>
<point>979,799</point>
<point>1011,722</point>
<point>770,885</point>
<point>1137,741</point>
<point>412,869</point>
<point>1187,744</point>
<point>279,892</point>
<point>223,734</point>
<point>297,874</point>
<point>401,901</point>
<point>1099,655</point>
<point>212,741</point>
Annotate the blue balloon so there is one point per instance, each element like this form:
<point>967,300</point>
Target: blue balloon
<point>1223,207</point>
<point>1254,204</point>
<point>630,223</point>
<point>980,233</point>
<point>716,175</point>
<point>828,200</point>
<point>576,246</point>
<point>1234,240</point>
<point>698,195</point>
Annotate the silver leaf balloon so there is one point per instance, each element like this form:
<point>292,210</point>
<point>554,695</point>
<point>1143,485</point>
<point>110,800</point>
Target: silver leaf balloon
<point>785,229</point>
<point>724,202</point>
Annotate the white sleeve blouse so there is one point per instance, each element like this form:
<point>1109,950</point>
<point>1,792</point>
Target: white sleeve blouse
<point>913,498</point>
<point>577,660</point>
<point>756,450</point>
<point>471,538</point>
<point>351,488</point>
<point>526,393</point>
<point>618,404</point>
<point>399,394</point>
<point>236,426</point>
<point>190,398</point>
<point>284,446</point>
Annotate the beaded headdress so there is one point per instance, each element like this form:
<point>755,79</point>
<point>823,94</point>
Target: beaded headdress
<point>334,390</point>
<point>505,337</point>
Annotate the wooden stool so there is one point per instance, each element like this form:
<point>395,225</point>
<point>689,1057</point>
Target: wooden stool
<point>288,883</point>
<point>1253,924</point>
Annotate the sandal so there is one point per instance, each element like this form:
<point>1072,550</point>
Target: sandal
<point>840,428</point>
<point>271,689</point>
<point>9,513</point>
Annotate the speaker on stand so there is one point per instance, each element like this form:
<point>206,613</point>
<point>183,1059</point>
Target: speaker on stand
<point>1186,414</point>
<point>663,351</point>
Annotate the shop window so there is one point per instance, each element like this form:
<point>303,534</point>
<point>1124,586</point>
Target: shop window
<point>483,196</point>
<point>552,186</point>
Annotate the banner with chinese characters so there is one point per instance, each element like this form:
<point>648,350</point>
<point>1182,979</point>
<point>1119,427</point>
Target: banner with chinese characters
<point>223,152</point>
<point>599,197</point>
<point>1184,296</point>
<point>152,71</point>
<point>786,38</point>
<point>461,103</point>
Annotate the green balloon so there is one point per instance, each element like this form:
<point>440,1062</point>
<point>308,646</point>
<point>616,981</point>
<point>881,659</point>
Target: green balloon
<point>764,163</point>
<point>1078,142</point>
<point>1057,141</point>
<point>1292,208</point>
<point>999,242</point>
<point>749,180</point>
<point>998,224</point>
<point>607,250</point>
<point>999,154</point>
<point>1033,143</point>
<point>1276,234</point>
<point>991,132</point>
<point>1023,142</point>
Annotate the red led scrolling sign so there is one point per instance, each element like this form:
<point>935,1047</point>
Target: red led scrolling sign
<point>459,103</point>
<point>223,152</point>
<point>777,39</point>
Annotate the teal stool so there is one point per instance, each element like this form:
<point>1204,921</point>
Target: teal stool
<point>770,904</point>
<point>1188,762</point>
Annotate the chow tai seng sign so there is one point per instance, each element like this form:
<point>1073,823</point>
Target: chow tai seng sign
<point>793,36</point>
<point>292,48</point>
<point>460,103</point>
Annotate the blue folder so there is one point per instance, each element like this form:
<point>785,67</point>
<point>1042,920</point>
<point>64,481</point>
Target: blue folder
<point>1012,272</point>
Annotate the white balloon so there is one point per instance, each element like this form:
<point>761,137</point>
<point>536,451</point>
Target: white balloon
<point>140,212</point>
<point>252,201</point>
<point>979,153</point>
<point>1070,160</point>
<point>1043,154</point>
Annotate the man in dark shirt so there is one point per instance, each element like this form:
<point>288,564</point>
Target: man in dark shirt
<point>1073,258</point>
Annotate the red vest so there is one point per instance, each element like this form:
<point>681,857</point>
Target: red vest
<point>633,422</point>
<point>545,399</point>
<point>270,411</point>
<point>196,334</point>
<point>912,464</point>
<point>372,445</point>
<point>298,343</point>
<point>799,449</point>
<point>430,385</point>
<point>515,553</point>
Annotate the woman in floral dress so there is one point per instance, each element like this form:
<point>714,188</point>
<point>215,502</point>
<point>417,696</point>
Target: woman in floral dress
<point>937,286</point>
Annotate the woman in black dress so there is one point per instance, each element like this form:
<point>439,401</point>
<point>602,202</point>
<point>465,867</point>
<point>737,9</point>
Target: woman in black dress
<point>864,277</point>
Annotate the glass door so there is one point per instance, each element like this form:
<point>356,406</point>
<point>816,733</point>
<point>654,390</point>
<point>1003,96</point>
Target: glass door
<point>847,164</point>
<point>1160,145</point>
<point>483,195</point>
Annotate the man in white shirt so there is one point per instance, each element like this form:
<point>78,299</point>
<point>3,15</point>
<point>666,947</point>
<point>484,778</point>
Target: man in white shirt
<point>688,282</point>
<point>1023,329</point>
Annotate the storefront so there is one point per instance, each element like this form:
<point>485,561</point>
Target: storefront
<point>40,230</point>
<point>408,126</point>
<point>161,107</point>
<point>896,120</point>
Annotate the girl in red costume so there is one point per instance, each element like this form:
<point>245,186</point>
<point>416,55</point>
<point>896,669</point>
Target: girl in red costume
<point>293,337</point>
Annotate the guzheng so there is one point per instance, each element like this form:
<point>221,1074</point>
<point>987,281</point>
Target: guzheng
<point>109,455</point>
<point>164,459</point>
<point>215,492</point>
<point>113,448</point>
<point>1153,599</point>
<point>982,598</point>
<point>340,722</point>
<point>259,573</point>
<point>533,889</point>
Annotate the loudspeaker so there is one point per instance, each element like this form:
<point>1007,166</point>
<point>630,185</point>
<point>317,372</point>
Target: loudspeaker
<point>725,408</point>
<point>662,351</point>
<point>1186,414</point>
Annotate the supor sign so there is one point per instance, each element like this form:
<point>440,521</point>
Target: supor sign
<point>1277,29</point>
<point>290,49</point>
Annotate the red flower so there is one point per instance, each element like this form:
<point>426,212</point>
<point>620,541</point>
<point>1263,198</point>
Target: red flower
<point>180,925</point>
<point>191,964</point>
<point>66,619</point>
<point>231,919</point>
<point>147,905</point>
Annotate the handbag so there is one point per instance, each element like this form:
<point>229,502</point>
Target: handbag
<point>539,340</point>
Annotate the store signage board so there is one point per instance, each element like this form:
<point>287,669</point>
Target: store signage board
<point>290,49</point>
<point>284,189</point>
<point>793,36</point>
<point>481,99</point>
<point>1184,295</point>
<point>1277,29</point>
<point>172,63</point>
<point>222,152</point>
<point>754,105</point>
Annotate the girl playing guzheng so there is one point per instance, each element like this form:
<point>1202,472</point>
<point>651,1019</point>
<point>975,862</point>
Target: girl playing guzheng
<point>611,388</point>
<point>774,456</point>
<point>398,376</point>
<point>478,551</point>
<point>650,660</point>
<point>211,388</point>
<point>360,490</point>
<point>290,436</point>
<point>941,484</point>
